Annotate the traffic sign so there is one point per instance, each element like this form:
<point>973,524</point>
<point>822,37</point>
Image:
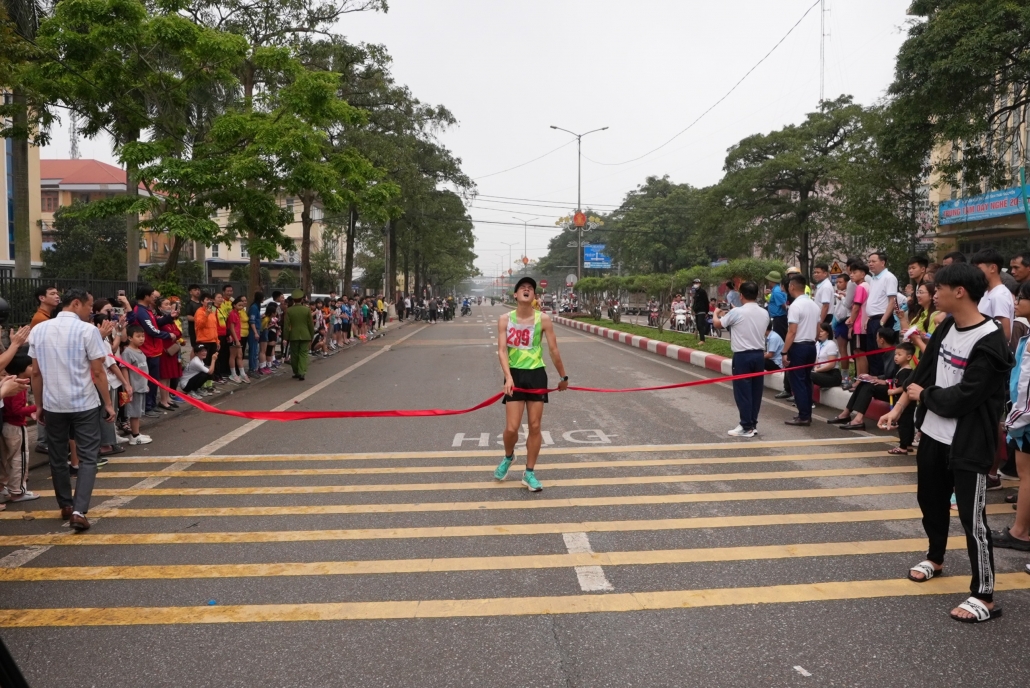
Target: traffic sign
<point>835,268</point>
<point>579,219</point>
<point>525,260</point>
<point>570,279</point>
<point>543,283</point>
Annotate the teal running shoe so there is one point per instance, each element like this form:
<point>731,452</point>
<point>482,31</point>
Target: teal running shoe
<point>501,472</point>
<point>530,481</point>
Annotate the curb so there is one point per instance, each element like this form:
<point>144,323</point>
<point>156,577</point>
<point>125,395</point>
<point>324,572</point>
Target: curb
<point>834,398</point>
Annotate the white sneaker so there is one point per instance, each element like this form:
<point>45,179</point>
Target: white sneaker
<point>736,432</point>
<point>234,378</point>
<point>118,439</point>
<point>140,439</point>
<point>749,433</point>
<point>194,395</point>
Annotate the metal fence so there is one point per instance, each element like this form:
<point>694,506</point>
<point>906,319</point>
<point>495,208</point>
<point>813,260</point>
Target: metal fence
<point>20,292</point>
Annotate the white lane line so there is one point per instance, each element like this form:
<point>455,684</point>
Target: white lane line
<point>24,556</point>
<point>591,578</point>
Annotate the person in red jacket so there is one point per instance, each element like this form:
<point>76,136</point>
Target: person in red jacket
<point>153,348</point>
<point>14,450</point>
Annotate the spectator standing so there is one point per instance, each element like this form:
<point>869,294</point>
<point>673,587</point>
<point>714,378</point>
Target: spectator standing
<point>407,304</point>
<point>14,450</point>
<point>953,257</point>
<point>148,298</point>
<point>133,354</point>
<point>859,272</point>
<point>49,301</point>
<point>170,366</point>
<point>824,292</point>
<point>700,308</point>
<point>223,307</point>
<point>997,303</point>
<point>777,304</point>
<point>190,311</point>
<point>802,328</point>
<point>1018,426</point>
<point>747,325</point>
<point>960,385</point>
<point>256,346</point>
<point>67,374</point>
<point>299,329</point>
<point>880,304</point>
<point>1019,267</point>
<point>732,295</point>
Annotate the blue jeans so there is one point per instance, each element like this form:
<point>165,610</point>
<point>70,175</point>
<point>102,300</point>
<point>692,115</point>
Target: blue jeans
<point>748,392</point>
<point>802,354</point>
<point>252,349</point>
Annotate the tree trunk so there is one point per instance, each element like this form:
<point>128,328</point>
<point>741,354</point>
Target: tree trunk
<point>132,220</point>
<point>254,281</point>
<point>172,264</point>
<point>391,274</point>
<point>306,199</point>
<point>348,259</point>
<point>387,250</point>
<point>406,292</point>
<point>20,172</point>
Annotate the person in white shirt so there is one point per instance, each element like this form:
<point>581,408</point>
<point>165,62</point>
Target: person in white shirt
<point>824,294</point>
<point>880,303</point>
<point>826,374</point>
<point>997,303</point>
<point>747,326</point>
<point>196,374</point>
<point>799,347</point>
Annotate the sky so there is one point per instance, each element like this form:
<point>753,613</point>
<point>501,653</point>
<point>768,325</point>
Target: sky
<point>646,70</point>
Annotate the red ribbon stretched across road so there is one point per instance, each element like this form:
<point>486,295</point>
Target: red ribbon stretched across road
<point>415,413</point>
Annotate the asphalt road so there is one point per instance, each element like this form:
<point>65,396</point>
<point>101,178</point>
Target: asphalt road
<point>379,552</point>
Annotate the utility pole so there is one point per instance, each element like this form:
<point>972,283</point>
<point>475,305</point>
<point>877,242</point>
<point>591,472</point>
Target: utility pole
<point>579,192</point>
<point>822,50</point>
<point>525,240</point>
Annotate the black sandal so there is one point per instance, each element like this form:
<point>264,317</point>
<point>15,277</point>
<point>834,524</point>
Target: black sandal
<point>854,426</point>
<point>837,420</point>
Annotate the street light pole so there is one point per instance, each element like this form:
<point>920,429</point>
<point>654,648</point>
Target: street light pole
<point>525,240</point>
<point>510,263</point>
<point>579,192</point>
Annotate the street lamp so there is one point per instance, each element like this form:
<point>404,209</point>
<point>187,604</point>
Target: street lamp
<point>579,191</point>
<point>525,240</point>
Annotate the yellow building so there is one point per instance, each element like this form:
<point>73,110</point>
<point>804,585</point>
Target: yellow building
<point>7,221</point>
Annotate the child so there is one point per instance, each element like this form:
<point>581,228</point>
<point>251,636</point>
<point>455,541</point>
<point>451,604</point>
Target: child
<point>234,333</point>
<point>197,374</point>
<point>1018,425</point>
<point>14,466</point>
<point>903,357</point>
<point>270,326</point>
<point>138,383</point>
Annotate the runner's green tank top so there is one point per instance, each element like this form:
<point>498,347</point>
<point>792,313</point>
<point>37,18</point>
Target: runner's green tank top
<point>524,349</point>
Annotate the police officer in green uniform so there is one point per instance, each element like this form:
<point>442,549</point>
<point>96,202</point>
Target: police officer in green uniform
<point>299,330</point>
<point>520,335</point>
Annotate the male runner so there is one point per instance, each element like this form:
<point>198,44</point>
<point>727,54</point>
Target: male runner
<point>519,336</point>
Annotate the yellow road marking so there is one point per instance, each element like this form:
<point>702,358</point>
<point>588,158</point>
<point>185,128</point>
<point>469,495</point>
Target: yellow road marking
<point>472,453</point>
<point>575,465</point>
<point>506,505</point>
<point>219,538</point>
<point>486,485</point>
<point>449,564</point>
<point>505,606</point>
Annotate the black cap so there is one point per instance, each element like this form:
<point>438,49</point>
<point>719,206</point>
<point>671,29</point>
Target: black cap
<point>525,280</point>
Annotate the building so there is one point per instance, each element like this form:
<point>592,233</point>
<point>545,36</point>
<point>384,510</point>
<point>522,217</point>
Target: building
<point>64,182</point>
<point>7,216</point>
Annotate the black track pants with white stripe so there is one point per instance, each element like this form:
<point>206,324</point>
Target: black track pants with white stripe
<point>936,482</point>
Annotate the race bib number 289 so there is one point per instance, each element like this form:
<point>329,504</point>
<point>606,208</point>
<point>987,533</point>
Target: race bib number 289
<point>520,336</point>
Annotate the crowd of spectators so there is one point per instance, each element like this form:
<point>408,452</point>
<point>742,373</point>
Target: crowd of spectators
<point>83,360</point>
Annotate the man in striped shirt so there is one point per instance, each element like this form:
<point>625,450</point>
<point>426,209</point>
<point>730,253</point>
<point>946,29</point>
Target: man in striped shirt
<point>68,376</point>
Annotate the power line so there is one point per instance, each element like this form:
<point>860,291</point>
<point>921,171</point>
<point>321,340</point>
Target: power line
<point>727,95</point>
<point>553,150</point>
<point>541,202</point>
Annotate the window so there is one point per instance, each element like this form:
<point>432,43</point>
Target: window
<point>289,204</point>
<point>153,245</point>
<point>243,250</point>
<point>49,199</point>
<point>166,248</point>
<point>214,251</point>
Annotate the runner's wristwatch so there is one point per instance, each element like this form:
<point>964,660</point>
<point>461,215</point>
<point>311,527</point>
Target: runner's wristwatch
<point>565,379</point>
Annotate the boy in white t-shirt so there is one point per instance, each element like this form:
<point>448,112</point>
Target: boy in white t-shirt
<point>997,303</point>
<point>196,374</point>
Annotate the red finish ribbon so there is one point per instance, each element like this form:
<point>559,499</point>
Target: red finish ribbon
<point>416,413</point>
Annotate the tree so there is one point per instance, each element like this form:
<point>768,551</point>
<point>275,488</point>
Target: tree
<point>962,80</point>
<point>286,279</point>
<point>778,191</point>
<point>19,22</point>
<point>658,228</point>
<point>92,248</point>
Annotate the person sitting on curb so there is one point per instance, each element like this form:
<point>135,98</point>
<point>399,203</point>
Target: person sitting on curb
<point>869,387</point>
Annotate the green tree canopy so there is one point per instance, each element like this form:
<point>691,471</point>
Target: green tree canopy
<point>85,247</point>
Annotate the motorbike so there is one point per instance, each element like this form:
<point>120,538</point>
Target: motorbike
<point>652,317</point>
<point>466,309</point>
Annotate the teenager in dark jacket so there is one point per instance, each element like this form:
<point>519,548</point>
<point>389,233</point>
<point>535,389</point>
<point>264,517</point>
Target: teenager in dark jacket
<point>960,385</point>
<point>700,308</point>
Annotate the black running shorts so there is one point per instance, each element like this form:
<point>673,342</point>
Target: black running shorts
<point>535,378</point>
